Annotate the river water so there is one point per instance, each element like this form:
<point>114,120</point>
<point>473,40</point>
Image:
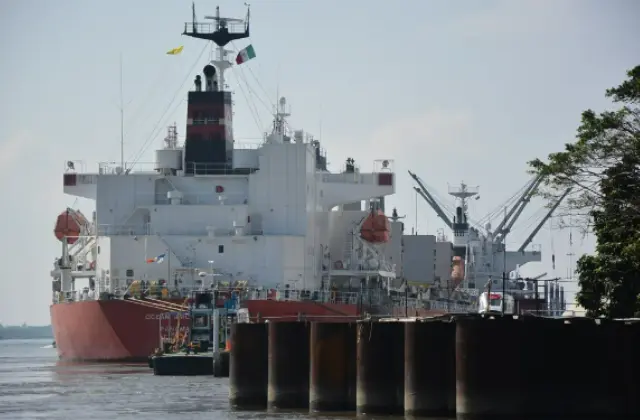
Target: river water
<point>34,385</point>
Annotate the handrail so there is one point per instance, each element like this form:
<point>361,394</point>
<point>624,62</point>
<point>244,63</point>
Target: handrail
<point>202,198</point>
<point>196,229</point>
<point>367,297</point>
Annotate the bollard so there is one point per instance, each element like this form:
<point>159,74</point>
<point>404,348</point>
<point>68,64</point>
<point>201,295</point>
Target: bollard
<point>288,383</point>
<point>248,366</point>
<point>430,368</point>
<point>380,368</point>
<point>333,367</point>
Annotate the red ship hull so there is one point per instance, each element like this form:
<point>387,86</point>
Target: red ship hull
<point>121,330</point>
<point>106,330</point>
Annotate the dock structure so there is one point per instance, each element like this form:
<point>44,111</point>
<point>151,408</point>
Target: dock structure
<point>332,382</point>
<point>288,365</point>
<point>430,368</point>
<point>473,366</point>
<point>248,367</point>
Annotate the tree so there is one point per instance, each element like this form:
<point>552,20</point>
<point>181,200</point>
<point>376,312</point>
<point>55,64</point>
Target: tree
<point>603,167</point>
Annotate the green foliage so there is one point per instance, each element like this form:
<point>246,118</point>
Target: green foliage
<point>603,167</point>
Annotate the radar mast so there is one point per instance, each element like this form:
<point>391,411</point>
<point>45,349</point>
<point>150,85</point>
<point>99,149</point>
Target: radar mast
<point>221,32</point>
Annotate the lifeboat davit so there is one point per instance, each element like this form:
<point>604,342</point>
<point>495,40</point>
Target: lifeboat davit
<point>457,272</point>
<point>70,223</point>
<point>376,228</point>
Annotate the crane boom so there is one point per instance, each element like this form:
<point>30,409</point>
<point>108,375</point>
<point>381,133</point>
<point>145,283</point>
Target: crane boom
<point>543,221</point>
<point>430,200</point>
<point>511,217</point>
<point>523,204</point>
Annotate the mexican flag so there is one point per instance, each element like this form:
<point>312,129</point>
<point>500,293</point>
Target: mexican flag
<point>245,55</point>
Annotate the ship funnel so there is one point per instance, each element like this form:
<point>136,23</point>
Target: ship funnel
<point>459,214</point>
<point>209,76</point>
<point>198,83</point>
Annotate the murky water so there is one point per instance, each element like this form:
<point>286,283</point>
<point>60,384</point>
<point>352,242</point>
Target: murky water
<point>34,385</point>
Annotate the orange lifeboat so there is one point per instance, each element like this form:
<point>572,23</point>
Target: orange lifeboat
<point>376,228</point>
<point>457,272</point>
<point>70,223</point>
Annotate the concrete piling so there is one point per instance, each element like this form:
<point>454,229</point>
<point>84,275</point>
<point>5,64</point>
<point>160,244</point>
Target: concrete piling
<point>430,368</point>
<point>248,366</point>
<point>333,367</point>
<point>488,368</point>
<point>288,377</point>
<point>380,368</point>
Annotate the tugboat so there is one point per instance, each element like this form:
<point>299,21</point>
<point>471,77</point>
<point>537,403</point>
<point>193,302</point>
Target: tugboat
<point>190,354</point>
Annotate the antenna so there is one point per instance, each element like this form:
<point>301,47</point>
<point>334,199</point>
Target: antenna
<point>320,124</point>
<point>121,118</point>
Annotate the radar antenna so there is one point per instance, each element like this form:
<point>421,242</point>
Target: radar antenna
<point>221,32</point>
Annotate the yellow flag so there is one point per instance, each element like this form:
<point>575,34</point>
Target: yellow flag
<point>175,51</point>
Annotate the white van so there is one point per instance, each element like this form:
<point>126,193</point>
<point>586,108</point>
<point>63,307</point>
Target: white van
<point>492,302</point>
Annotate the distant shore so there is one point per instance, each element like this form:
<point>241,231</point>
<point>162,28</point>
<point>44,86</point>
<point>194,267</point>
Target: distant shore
<point>25,332</point>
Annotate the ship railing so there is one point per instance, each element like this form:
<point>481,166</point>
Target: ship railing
<point>196,198</point>
<point>470,292</point>
<point>209,28</point>
<point>294,295</point>
<point>73,296</point>
<point>113,230</point>
<point>215,168</point>
<point>555,313</point>
<point>432,304</point>
<point>367,296</point>
<point>116,168</point>
<point>348,178</point>
<point>302,317</point>
<point>383,166</point>
<point>198,229</point>
<point>247,145</point>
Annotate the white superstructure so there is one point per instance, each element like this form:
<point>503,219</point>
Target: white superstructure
<point>259,213</point>
<point>270,227</point>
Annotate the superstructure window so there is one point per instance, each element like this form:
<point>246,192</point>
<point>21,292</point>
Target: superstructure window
<point>220,249</point>
<point>129,273</point>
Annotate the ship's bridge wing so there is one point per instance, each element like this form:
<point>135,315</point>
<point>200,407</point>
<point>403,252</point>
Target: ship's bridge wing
<point>351,185</point>
<point>77,182</point>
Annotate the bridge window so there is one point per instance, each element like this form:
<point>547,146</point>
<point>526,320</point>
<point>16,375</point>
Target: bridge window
<point>129,272</point>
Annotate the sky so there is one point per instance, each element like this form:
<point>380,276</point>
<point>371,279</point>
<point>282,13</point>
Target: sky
<point>454,91</point>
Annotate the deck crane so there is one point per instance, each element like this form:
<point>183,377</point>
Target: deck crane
<point>514,213</point>
<point>430,200</point>
<point>544,220</point>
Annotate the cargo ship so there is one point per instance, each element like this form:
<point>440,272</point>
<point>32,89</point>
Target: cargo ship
<point>266,223</point>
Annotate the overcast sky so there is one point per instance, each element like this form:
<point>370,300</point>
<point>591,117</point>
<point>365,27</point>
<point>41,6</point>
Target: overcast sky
<point>453,90</point>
